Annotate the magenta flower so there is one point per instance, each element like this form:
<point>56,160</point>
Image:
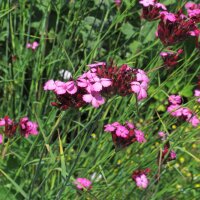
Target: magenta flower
<point>83,183</point>
<point>124,135</point>
<point>168,16</point>
<point>197,94</point>
<point>121,131</point>
<point>28,127</point>
<point>50,85</point>
<point>147,3</point>
<point>139,136</point>
<point>162,135</point>
<point>139,90</point>
<point>94,98</point>
<point>5,120</point>
<point>175,99</point>
<point>1,139</point>
<point>32,46</point>
<point>99,83</point>
<point>140,178</point>
<point>142,181</point>
<point>71,87</point>
<point>194,121</point>
<point>173,155</point>
<point>97,64</point>
<point>118,3</point>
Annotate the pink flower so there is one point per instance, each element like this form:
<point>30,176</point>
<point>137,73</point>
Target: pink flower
<point>94,98</point>
<point>168,16</point>
<point>50,85</point>
<point>139,90</point>
<point>142,181</point>
<point>3,121</point>
<point>100,83</point>
<point>61,87</point>
<point>160,5</point>
<point>117,2</point>
<point>194,121</point>
<point>141,76</point>
<point>83,183</point>
<point>162,135</point>
<point>130,125</point>
<point>28,127</point>
<point>175,110</point>
<point>121,131</point>
<point>1,139</point>
<point>172,155</point>
<point>96,64</point>
<point>147,3</point>
<point>111,127</point>
<point>175,99</point>
<point>32,46</point>
<point>139,136</point>
<point>71,87</point>
<point>197,94</point>
<point>190,5</point>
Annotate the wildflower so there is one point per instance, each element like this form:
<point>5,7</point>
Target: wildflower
<point>94,98</point>
<point>32,46</point>
<point>28,127</point>
<point>182,112</point>
<point>83,183</point>
<point>166,154</point>
<point>118,3</point>
<point>1,139</point>
<point>175,99</point>
<point>162,135</point>
<point>197,94</point>
<point>151,10</point>
<point>9,126</point>
<point>140,178</point>
<point>174,28</point>
<point>171,58</point>
<point>193,11</point>
<point>124,135</point>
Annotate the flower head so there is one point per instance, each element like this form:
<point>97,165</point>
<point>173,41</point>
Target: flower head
<point>32,46</point>
<point>83,183</point>
<point>1,139</point>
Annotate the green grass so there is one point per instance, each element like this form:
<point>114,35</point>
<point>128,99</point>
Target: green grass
<point>72,143</point>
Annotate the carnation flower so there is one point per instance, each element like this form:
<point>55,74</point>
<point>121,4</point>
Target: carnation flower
<point>83,183</point>
<point>1,139</point>
<point>32,46</point>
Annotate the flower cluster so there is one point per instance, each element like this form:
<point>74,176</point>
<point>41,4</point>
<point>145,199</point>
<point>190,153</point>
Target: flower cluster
<point>193,11</point>
<point>176,27</point>
<point>140,178</point>
<point>26,127</point>
<point>124,135</point>
<point>151,9</point>
<point>182,112</point>
<point>98,83</point>
<point>170,58</point>
<point>83,183</point>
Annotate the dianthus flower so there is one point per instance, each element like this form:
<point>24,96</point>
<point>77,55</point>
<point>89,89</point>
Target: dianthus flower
<point>32,46</point>
<point>28,127</point>
<point>183,113</point>
<point>197,94</point>
<point>162,135</point>
<point>97,84</point>
<point>170,59</point>
<point>83,183</point>
<point>166,154</point>
<point>124,135</point>
<point>193,11</point>
<point>140,178</point>
<point>118,3</point>
<point>174,28</point>
<point>151,9</point>
<point>9,126</point>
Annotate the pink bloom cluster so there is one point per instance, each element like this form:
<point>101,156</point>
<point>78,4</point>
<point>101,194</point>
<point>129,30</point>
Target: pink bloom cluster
<point>26,127</point>
<point>140,178</point>
<point>99,82</point>
<point>32,46</point>
<point>193,11</point>
<point>182,112</point>
<point>83,183</point>
<point>197,94</point>
<point>151,9</point>
<point>170,59</point>
<point>124,135</point>
<point>174,28</point>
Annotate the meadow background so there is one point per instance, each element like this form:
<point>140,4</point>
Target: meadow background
<point>72,143</point>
